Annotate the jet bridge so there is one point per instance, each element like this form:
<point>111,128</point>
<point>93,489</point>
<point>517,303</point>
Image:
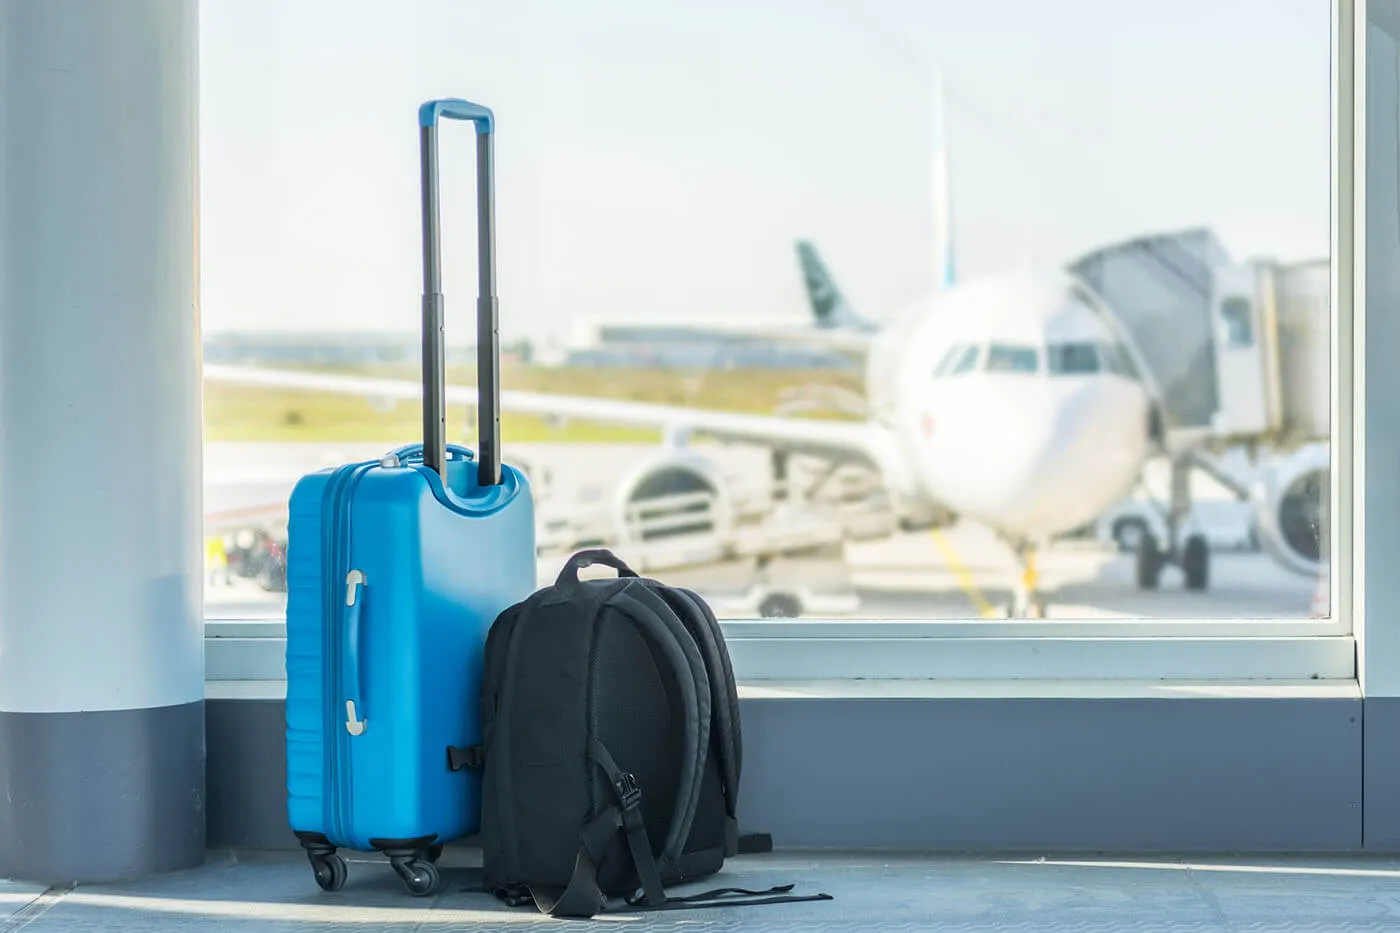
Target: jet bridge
<point>1240,351</point>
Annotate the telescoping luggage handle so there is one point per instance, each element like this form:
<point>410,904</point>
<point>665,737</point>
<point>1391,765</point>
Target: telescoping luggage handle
<point>487,325</point>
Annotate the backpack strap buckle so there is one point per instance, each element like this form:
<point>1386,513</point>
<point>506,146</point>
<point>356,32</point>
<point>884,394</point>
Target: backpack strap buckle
<point>473,756</point>
<point>628,792</point>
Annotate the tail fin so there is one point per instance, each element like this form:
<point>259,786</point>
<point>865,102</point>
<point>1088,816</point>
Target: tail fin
<point>829,306</point>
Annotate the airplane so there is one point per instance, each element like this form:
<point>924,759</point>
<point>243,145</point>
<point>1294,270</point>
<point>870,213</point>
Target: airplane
<point>1015,401</point>
<point>1014,404</point>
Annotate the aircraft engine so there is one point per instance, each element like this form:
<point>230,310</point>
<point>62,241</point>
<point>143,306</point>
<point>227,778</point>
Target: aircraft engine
<point>675,496</point>
<point>1290,509</point>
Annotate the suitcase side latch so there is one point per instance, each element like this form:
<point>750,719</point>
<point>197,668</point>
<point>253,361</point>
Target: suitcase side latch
<point>352,725</point>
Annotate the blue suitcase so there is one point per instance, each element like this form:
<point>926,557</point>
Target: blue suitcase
<point>396,569</point>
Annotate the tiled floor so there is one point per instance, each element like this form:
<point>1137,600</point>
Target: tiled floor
<point>274,891</point>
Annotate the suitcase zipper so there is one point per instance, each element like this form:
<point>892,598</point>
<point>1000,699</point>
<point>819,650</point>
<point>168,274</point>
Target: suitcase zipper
<point>335,556</point>
<point>330,668</point>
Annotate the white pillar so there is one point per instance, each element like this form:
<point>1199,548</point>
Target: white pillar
<point>101,615</point>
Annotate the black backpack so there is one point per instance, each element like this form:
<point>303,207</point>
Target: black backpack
<point>611,747</point>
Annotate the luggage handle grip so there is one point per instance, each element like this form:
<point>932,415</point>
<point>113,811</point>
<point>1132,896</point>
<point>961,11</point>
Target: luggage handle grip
<point>569,574</point>
<point>355,719</point>
<point>454,108</point>
<point>487,311</point>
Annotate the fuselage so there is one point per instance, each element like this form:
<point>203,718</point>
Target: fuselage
<point>1014,404</point>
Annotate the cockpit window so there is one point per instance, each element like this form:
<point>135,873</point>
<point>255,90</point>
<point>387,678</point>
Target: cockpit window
<point>1117,361</point>
<point>968,361</point>
<point>942,368</point>
<point>1012,358</point>
<point>1072,358</point>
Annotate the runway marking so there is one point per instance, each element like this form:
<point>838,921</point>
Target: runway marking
<point>964,576</point>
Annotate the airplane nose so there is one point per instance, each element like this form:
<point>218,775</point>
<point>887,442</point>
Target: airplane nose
<point>1052,456</point>
<point>1091,446</point>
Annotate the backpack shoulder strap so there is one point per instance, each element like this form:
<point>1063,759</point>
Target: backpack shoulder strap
<point>723,693</point>
<point>653,613</point>
<point>735,735</point>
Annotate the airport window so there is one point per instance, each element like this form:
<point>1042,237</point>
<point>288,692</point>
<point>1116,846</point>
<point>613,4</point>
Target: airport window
<point>786,398</point>
<point>1008,358</point>
<point>1072,358</point>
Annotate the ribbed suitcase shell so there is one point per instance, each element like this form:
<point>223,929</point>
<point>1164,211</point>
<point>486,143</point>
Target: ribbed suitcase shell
<point>438,569</point>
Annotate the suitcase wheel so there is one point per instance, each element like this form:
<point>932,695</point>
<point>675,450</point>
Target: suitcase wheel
<point>419,875</point>
<point>331,871</point>
<point>414,861</point>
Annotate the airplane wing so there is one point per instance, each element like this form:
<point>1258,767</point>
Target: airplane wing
<point>842,440</point>
<point>834,339</point>
<point>839,341</point>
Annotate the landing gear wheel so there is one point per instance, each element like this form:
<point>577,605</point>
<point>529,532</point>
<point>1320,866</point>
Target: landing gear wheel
<point>1195,561</point>
<point>419,876</point>
<point>1129,533</point>
<point>1149,564</point>
<point>780,606</point>
<point>331,871</point>
<point>1018,607</point>
<point>1032,609</point>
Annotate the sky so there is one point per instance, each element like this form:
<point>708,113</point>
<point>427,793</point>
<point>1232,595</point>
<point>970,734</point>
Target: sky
<point>658,159</point>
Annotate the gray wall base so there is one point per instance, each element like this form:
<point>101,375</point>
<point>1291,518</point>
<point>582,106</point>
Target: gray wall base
<point>1124,775</point>
<point>1382,774</point>
<point>248,774</point>
<point>102,796</point>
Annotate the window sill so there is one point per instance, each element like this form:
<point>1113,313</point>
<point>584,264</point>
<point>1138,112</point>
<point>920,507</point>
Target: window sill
<point>255,651</point>
<point>274,689</point>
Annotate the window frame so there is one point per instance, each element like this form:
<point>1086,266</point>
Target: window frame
<point>1225,649</point>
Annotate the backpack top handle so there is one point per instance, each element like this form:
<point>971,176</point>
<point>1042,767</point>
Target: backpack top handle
<point>568,576</point>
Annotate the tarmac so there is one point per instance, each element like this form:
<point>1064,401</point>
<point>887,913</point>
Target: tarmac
<point>952,573</point>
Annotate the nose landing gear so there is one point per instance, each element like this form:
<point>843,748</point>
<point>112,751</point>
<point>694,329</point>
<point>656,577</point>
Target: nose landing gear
<point>1026,600</point>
